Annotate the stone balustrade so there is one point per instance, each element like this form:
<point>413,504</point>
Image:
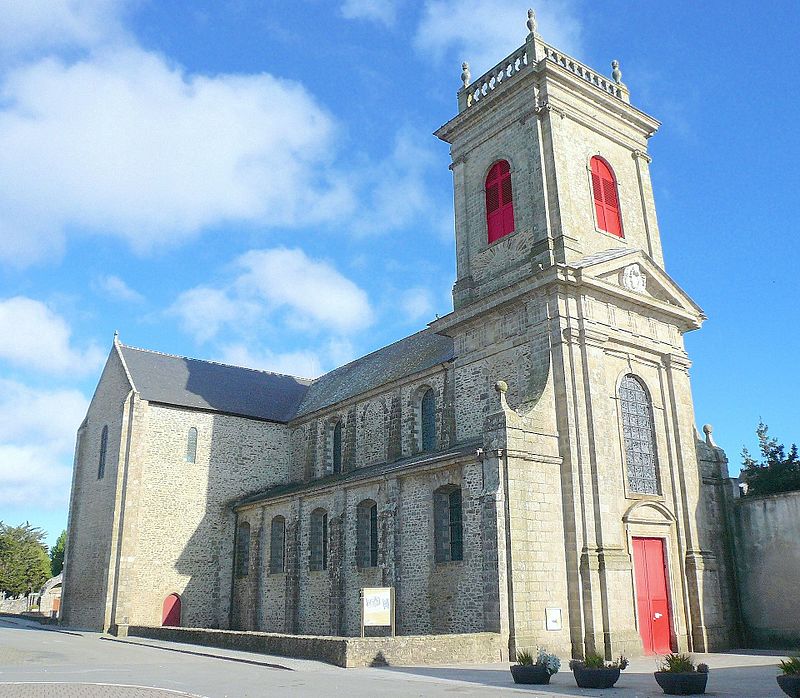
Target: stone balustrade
<point>615,89</point>
<point>474,92</point>
<point>505,70</point>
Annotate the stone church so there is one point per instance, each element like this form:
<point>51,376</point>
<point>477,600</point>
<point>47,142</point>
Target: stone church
<point>526,465</point>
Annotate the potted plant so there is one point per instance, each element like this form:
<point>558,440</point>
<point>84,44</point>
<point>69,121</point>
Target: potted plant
<point>596,672</point>
<point>678,675</point>
<point>538,669</point>
<point>789,680</point>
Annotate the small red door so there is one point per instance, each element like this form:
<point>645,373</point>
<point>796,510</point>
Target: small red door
<point>652,601</point>
<point>171,611</point>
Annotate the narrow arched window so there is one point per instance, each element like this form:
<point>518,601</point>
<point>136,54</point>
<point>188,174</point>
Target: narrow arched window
<point>447,524</point>
<point>101,465</point>
<point>318,541</point>
<point>640,443</point>
<point>367,534</point>
<point>242,564</point>
<point>606,200</point>
<point>337,448</point>
<point>277,545</point>
<point>191,446</point>
<point>499,201</point>
<point>428,421</point>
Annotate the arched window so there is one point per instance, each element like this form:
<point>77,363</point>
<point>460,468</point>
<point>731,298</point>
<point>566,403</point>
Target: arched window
<point>191,446</point>
<point>243,549</point>
<point>101,465</point>
<point>367,534</point>
<point>427,420</point>
<point>606,201</point>
<point>640,442</point>
<point>499,201</point>
<point>447,524</point>
<point>277,545</point>
<point>318,541</point>
<point>336,456</point>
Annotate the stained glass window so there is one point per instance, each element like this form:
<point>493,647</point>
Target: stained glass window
<point>640,444</point>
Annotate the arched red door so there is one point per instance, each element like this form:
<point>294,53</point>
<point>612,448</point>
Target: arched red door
<point>171,611</point>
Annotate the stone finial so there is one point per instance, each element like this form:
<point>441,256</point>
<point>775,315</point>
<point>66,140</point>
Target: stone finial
<point>116,336</point>
<point>501,387</point>
<point>465,74</point>
<point>531,22</point>
<point>616,73</point>
<point>708,430</point>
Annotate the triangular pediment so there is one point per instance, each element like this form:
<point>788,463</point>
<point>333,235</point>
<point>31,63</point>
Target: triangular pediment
<point>633,274</point>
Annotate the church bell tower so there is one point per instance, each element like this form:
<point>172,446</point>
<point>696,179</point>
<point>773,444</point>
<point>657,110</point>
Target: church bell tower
<point>549,164</point>
<point>570,366</point>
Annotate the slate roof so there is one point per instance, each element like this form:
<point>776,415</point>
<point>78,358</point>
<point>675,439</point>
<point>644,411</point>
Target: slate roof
<point>177,380</point>
<point>410,355</point>
<point>185,382</point>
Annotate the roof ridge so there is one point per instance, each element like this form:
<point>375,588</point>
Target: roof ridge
<point>217,363</point>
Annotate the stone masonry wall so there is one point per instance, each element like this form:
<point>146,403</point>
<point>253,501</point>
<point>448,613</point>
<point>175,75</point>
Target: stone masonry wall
<point>432,597</point>
<point>185,526</point>
<point>93,503</point>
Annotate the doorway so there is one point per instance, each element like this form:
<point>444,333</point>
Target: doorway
<point>171,611</point>
<point>652,596</point>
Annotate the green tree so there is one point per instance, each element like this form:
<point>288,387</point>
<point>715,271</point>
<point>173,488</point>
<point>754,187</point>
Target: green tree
<point>57,555</point>
<point>24,564</point>
<point>776,472</point>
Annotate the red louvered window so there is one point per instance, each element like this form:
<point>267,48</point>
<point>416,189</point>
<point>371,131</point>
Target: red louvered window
<point>606,201</point>
<point>499,201</point>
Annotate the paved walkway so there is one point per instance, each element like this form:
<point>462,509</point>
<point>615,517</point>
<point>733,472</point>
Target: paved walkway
<point>48,662</point>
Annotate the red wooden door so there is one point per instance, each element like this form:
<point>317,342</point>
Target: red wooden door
<point>652,600</point>
<point>171,611</point>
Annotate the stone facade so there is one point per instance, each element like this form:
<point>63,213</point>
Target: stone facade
<point>548,321</point>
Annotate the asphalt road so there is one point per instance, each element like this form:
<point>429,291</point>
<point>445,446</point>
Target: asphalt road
<point>47,662</point>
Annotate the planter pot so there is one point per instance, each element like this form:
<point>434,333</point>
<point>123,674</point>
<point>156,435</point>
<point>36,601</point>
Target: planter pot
<point>596,678</point>
<point>790,684</point>
<point>680,684</point>
<point>530,673</point>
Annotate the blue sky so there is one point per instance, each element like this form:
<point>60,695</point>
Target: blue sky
<point>257,183</point>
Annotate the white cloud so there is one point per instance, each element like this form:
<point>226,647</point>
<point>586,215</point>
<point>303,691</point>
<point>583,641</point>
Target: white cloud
<point>484,32</point>
<point>205,311</point>
<point>33,336</point>
<point>40,25</point>
<point>281,284</point>
<point>118,289</point>
<point>312,291</point>
<point>384,11</point>
<point>417,304</point>
<point>398,190</point>
<point>122,143</point>
<point>37,438</point>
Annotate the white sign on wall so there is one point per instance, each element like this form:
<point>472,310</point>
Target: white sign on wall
<point>552,618</point>
<point>377,607</point>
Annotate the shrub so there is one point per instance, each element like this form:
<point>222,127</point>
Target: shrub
<point>791,666</point>
<point>549,661</point>
<point>678,664</point>
<point>702,668</point>
<point>596,661</point>
<point>525,658</point>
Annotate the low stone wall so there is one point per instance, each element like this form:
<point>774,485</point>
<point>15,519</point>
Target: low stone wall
<point>403,650</point>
